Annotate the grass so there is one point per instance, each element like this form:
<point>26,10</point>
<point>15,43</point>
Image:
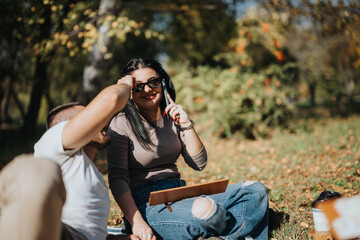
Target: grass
<point>317,154</point>
<point>295,167</point>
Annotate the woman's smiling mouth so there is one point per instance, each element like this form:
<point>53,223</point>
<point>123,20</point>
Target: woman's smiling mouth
<point>149,97</point>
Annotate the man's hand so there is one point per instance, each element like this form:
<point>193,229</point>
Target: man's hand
<point>128,80</point>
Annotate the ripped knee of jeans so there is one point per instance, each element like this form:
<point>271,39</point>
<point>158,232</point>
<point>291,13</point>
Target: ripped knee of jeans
<point>248,183</point>
<point>212,216</point>
<point>203,207</point>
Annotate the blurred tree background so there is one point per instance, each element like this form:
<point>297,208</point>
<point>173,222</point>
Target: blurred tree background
<point>240,67</point>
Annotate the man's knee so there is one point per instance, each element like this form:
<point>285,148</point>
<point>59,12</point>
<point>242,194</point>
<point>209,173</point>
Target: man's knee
<point>34,182</point>
<point>29,165</point>
<point>46,174</point>
<point>34,176</point>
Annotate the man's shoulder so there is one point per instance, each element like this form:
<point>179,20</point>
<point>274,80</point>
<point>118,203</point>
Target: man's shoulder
<point>50,143</point>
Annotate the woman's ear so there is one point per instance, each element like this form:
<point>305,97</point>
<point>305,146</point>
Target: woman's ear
<point>131,95</point>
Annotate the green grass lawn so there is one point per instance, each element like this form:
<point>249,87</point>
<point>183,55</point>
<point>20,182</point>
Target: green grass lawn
<point>295,166</point>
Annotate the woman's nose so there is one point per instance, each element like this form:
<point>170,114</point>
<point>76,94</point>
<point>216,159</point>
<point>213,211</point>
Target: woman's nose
<point>147,88</point>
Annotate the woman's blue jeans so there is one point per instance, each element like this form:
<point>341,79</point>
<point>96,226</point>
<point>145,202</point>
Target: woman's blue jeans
<point>246,212</point>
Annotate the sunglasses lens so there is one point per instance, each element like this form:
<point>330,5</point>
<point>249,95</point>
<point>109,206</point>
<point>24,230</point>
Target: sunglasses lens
<point>139,87</point>
<point>154,83</point>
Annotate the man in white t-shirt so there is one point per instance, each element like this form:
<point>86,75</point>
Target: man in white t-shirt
<point>33,189</point>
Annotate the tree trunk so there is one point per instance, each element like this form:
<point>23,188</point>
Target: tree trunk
<point>349,82</point>
<point>95,71</point>
<point>40,79</point>
<point>29,127</point>
<point>18,103</point>
<point>312,91</point>
<point>49,101</point>
<point>5,103</point>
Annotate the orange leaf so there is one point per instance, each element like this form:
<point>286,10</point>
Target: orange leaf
<point>279,55</point>
<point>304,225</point>
<point>199,99</point>
<point>240,49</point>
<point>281,205</point>
<point>267,81</point>
<point>277,43</point>
<point>249,36</point>
<point>265,27</point>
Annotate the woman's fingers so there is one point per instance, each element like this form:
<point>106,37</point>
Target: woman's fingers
<point>169,107</point>
<point>176,112</point>
<point>132,237</point>
<point>147,236</point>
<point>170,99</point>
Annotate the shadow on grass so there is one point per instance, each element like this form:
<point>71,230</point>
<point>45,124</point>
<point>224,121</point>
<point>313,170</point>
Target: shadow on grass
<point>276,219</point>
<point>327,109</point>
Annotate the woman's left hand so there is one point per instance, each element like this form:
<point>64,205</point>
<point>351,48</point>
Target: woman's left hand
<point>177,113</point>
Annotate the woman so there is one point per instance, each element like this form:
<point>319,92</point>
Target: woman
<point>145,145</point>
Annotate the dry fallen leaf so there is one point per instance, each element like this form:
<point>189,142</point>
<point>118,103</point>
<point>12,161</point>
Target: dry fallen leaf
<point>281,205</point>
<point>304,225</point>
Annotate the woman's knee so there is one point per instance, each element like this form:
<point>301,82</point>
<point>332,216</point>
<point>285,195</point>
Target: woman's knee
<point>203,207</point>
<point>258,190</point>
<point>211,215</point>
<point>256,186</point>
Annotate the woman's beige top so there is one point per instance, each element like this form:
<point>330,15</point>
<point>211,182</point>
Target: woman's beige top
<point>130,164</point>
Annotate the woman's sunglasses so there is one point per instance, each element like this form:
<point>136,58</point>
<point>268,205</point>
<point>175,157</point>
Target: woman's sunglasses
<point>153,83</point>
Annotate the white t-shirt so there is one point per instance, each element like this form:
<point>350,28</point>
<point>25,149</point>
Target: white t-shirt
<point>87,201</point>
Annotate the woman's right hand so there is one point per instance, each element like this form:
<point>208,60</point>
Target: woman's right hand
<point>142,230</point>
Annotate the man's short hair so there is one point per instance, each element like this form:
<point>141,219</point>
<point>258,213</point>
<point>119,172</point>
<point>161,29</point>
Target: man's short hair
<point>53,112</point>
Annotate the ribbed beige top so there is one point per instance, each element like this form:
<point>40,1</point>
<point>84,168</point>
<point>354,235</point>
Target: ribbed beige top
<point>130,164</point>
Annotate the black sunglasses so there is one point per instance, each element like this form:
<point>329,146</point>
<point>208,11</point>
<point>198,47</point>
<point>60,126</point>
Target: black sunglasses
<point>153,83</point>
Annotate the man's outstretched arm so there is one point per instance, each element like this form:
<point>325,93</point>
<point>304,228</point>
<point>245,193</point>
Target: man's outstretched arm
<point>87,123</point>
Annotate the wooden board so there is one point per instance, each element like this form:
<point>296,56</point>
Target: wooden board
<point>175,194</point>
